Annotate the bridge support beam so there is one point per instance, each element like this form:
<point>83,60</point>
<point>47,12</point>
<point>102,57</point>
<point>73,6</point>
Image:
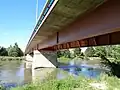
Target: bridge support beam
<point>44,59</point>
<point>28,61</point>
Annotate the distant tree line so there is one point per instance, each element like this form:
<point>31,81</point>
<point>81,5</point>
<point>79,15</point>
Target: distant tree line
<point>109,51</point>
<point>66,53</point>
<point>13,51</point>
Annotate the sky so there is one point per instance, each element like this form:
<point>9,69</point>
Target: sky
<point>17,21</point>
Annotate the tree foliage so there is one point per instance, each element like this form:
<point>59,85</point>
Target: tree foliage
<point>65,53</point>
<point>77,52</point>
<point>70,54</point>
<point>3,51</point>
<point>90,52</point>
<point>100,51</point>
<point>115,52</point>
<point>13,51</point>
<point>109,51</point>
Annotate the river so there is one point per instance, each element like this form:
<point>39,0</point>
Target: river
<point>13,73</point>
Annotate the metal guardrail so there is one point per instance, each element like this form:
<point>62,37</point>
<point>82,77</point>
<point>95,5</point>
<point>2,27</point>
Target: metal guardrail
<point>44,12</point>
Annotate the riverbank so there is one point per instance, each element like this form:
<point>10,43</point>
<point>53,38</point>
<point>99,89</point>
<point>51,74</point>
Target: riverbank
<point>104,82</point>
<point>7,58</point>
<point>77,60</point>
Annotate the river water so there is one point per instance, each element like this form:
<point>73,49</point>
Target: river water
<point>13,73</point>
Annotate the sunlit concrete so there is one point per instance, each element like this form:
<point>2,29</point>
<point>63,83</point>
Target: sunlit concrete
<point>27,75</point>
<point>44,59</point>
<point>28,61</point>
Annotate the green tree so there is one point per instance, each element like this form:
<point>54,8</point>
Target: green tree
<point>100,50</point>
<point>108,51</point>
<point>19,51</point>
<point>115,52</point>
<point>65,53</point>
<point>9,49</point>
<point>15,51</point>
<point>3,51</point>
<point>59,54</point>
<point>77,52</point>
<point>90,52</point>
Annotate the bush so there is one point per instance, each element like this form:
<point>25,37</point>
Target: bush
<point>64,84</point>
<point>70,83</point>
<point>64,59</point>
<point>2,88</point>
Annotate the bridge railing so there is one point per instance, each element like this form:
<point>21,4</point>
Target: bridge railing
<point>41,17</point>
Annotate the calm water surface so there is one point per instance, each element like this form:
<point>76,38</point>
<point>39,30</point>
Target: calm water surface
<point>13,73</point>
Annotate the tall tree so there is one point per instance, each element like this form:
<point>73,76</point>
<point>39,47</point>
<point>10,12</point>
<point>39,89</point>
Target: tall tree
<point>3,51</point>
<point>15,51</point>
<point>19,51</point>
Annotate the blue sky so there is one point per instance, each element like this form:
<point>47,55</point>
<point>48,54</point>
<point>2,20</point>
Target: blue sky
<point>17,21</point>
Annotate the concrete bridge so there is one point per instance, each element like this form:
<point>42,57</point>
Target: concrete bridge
<point>65,24</point>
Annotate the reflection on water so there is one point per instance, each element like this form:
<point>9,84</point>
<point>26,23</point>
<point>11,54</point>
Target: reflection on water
<point>10,73</point>
<point>13,73</point>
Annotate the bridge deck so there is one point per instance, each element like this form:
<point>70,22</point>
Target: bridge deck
<point>69,21</point>
<point>60,15</point>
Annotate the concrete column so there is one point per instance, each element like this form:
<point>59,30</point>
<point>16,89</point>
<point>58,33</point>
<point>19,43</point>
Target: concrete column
<point>27,75</point>
<point>28,61</point>
<point>29,58</point>
<point>43,73</point>
<point>44,59</point>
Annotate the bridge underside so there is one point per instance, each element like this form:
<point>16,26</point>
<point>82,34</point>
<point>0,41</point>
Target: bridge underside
<point>106,39</point>
<point>59,16</point>
<point>99,27</point>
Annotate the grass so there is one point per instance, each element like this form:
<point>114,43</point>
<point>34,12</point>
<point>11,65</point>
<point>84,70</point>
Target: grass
<point>67,60</point>
<point>70,83</point>
<point>64,59</point>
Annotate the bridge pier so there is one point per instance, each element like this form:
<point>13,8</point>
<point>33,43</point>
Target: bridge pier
<point>44,59</point>
<point>28,61</point>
